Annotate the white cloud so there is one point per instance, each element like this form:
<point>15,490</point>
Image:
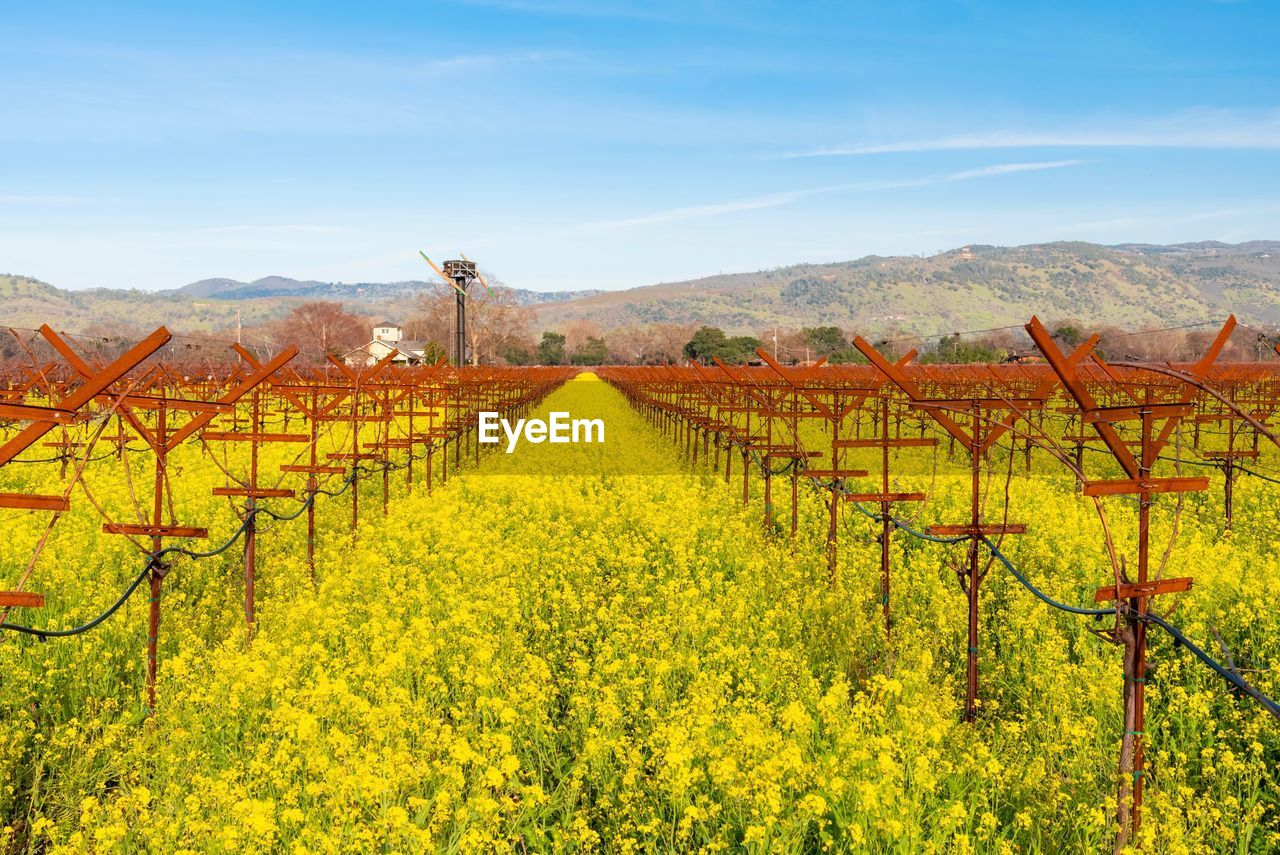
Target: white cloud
<point>692,212</point>
<point>1115,225</point>
<point>42,200</point>
<point>284,229</point>
<point>1207,129</point>
<point>644,11</point>
<point>1009,168</point>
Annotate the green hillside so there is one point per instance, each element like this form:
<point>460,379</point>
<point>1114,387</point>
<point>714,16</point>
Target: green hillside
<point>969,288</point>
<point>1131,285</point>
<point>27,302</point>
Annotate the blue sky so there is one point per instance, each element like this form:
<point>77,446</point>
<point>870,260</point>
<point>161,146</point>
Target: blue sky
<point>568,144</point>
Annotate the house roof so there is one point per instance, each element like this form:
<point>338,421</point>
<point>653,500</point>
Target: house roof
<point>388,324</point>
<point>403,345</point>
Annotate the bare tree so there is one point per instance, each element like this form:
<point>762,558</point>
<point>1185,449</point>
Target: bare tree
<point>495,320</point>
<point>432,317</point>
<point>498,321</point>
<point>668,342</point>
<point>630,345</point>
<point>577,332</point>
<point>323,327</point>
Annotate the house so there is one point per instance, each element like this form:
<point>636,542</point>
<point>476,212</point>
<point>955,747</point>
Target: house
<point>387,331</point>
<point>388,337</point>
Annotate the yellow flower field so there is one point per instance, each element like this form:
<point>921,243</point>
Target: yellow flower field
<point>599,648</point>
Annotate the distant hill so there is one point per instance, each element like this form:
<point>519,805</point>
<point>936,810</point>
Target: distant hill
<point>969,288</point>
<point>211,303</point>
<point>282,286</point>
<point>27,302</point>
<point>1130,285</point>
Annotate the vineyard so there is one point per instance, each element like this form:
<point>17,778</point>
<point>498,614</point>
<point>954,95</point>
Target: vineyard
<point>254,605</point>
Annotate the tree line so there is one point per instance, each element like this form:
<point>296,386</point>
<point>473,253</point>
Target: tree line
<point>502,332</point>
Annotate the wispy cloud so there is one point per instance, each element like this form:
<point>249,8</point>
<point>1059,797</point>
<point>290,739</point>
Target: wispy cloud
<point>1207,129</point>
<point>487,61</point>
<point>285,228</point>
<point>775,200</point>
<point>1009,168</point>
<point>643,11</point>
<point>41,200</point>
<point>1115,225</point>
<point>695,212</point>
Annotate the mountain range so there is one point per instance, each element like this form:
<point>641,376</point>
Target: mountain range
<point>360,292</point>
<point>1127,285</point>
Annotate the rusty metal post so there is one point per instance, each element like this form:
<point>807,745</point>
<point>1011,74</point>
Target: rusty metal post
<point>155,576</point>
<point>833,512</point>
<point>251,522</point>
<point>408,478</point>
<point>355,461</point>
<point>971,667</point>
<point>312,484</point>
<point>885,520</point>
<point>767,475</point>
<point>1229,487</point>
<point>1134,637</point>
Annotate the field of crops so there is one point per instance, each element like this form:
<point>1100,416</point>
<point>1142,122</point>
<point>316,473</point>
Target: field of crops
<point>600,647</point>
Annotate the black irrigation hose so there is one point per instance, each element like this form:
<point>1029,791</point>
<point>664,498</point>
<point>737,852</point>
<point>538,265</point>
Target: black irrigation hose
<point>67,457</point>
<point>1239,467</point>
<point>932,538</point>
<point>768,471</point>
<point>46,634</point>
<point>153,559</point>
<point>1248,471</point>
<point>1225,673</point>
<point>1180,639</point>
<point>1075,610</point>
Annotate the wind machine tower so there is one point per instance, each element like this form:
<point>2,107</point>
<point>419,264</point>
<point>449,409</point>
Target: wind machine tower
<point>461,273</point>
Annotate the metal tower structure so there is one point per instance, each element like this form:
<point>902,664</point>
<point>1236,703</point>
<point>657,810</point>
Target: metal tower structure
<point>460,273</point>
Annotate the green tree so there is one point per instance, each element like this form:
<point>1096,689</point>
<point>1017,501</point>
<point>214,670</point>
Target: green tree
<point>592,351</point>
<point>551,349</point>
<point>952,349</point>
<point>706,343</point>
<point>825,341</point>
<point>741,348</point>
<point>433,353</point>
<point>831,343</point>
<point>1070,334</point>
<point>516,354</point>
<point>710,341</point>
